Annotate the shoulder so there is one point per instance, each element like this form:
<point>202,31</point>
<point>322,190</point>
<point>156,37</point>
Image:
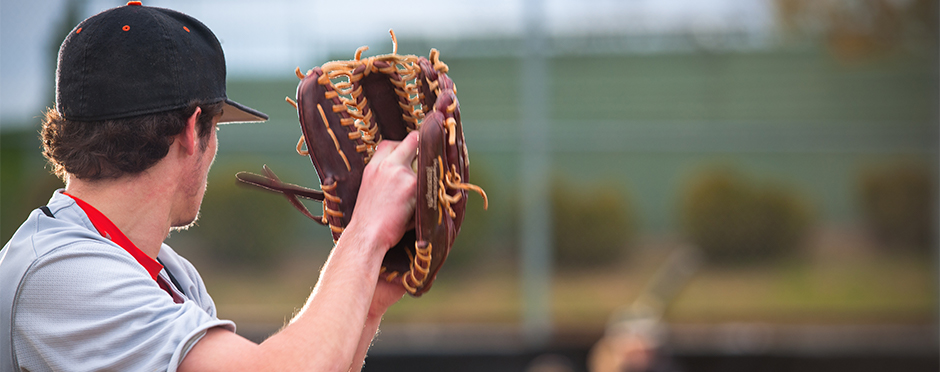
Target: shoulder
<point>82,305</point>
<point>43,233</point>
<point>79,274</point>
<point>56,239</point>
<point>76,301</point>
<point>49,246</point>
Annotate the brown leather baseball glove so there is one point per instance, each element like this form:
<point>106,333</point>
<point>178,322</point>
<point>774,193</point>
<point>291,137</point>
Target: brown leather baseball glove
<point>345,109</point>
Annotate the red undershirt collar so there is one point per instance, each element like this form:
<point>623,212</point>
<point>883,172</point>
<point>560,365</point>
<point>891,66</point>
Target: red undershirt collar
<point>108,230</point>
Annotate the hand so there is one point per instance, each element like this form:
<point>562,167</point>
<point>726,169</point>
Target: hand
<point>386,200</point>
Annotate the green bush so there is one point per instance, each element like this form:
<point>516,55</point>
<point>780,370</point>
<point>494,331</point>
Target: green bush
<point>472,243</point>
<point>897,203</point>
<point>244,226</point>
<point>731,219</point>
<point>591,226</point>
<point>25,183</point>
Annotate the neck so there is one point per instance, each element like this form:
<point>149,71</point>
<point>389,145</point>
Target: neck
<point>139,205</point>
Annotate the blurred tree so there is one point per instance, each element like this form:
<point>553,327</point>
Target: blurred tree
<point>591,225</point>
<point>733,220</point>
<point>897,204</point>
<point>855,29</point>
<point>476,231</point>
<point>242,226</point>
<point>24,183</point>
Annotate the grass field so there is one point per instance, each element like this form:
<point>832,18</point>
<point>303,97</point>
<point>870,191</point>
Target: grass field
<point>847,285</point>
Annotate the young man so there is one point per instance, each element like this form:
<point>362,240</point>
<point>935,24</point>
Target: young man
<point>86,283</point>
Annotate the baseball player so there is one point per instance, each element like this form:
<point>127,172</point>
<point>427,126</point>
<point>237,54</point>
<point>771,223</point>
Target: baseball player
<point>86,282</point>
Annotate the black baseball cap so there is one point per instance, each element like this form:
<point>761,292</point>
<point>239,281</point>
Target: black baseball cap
<point>135,60</point>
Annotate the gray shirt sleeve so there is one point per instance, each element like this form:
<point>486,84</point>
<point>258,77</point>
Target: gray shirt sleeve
<point>89,306</point>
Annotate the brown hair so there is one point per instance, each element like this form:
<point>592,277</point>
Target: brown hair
<point>93,150</point>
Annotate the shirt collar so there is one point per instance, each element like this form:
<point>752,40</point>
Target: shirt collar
<point>111,232</point>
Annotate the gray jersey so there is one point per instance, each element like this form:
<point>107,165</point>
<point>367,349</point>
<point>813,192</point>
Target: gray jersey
<point>71,299</point>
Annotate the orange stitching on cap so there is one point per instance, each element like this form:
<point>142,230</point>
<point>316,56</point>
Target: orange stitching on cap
<point>126,28</point>
<point>78,31</point>
<point>186,28</point>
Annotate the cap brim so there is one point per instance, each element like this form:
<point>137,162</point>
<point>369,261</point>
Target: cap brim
<point>234,112</point>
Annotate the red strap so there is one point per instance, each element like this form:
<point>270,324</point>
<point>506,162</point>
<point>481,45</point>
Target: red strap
<point>108,230</point>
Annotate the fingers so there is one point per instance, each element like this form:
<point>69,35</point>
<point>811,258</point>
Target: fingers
<point>387,195</point>
<point>384,148</point>
<point>398,152</point>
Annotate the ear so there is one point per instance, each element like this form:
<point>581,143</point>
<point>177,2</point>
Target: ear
<point>189,137</point>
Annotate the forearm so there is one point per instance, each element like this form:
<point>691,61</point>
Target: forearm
<point>323,336</point>
<point>369,331</point>
<point>334,329</point>
<point>334,316</point>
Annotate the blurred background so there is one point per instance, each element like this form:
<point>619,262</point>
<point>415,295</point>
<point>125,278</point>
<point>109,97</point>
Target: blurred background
<point>674,185</point>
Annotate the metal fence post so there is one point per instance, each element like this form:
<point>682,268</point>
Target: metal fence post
<point>535,163</point>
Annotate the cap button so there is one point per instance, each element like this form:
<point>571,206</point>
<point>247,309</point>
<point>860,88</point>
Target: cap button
<point>138,3</point>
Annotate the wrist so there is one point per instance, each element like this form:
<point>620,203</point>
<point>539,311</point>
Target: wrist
<point>365,240</point>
